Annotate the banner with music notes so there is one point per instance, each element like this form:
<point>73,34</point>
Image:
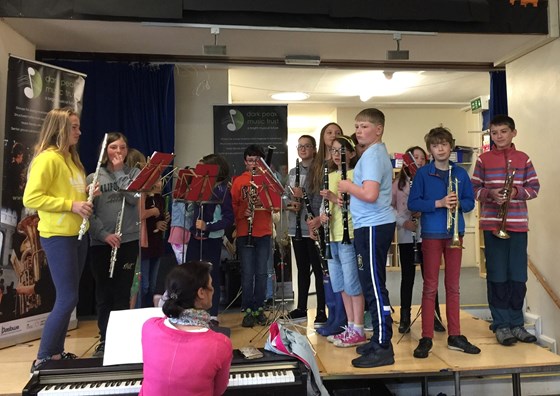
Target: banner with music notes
<point>26,289</point>
<point>236,127</point>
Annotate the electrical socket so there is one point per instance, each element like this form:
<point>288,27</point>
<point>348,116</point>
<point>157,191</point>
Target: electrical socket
<point>547,342</point>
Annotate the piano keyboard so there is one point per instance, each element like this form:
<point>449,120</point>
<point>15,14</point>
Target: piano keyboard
<point>273,375</point>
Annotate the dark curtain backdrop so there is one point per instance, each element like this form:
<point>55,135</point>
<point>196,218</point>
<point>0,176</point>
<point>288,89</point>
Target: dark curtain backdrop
<point>133,98</point>
<point>498,95</point>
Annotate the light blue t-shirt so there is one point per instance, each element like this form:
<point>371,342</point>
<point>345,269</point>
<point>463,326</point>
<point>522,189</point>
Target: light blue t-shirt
<point>374,165</point>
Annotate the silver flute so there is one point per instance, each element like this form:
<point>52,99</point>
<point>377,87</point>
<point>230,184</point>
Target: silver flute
<point>92,186</point>
<point>118,227</point>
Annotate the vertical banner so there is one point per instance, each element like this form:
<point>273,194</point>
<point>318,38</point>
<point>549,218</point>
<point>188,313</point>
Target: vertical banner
<point>26,290</point>
<point>235,128</point>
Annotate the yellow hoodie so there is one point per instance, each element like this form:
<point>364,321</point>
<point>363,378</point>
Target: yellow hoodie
<point>53,183</point>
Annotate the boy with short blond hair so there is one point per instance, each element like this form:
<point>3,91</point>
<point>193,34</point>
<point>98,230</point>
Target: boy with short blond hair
<point>374,228</point>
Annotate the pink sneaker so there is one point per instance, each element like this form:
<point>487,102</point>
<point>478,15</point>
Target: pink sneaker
<point>353,338</point>
<point>333,338</point>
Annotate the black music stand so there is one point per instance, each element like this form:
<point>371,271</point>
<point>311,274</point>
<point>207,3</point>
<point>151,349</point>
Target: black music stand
<point>270,192</point>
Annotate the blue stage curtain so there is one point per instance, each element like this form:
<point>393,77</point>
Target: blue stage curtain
<point>498,94</point>
<point>133,98</point>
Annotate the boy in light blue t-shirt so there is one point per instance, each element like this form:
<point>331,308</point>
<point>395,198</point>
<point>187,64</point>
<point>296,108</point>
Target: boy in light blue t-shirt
<point>374,227</point>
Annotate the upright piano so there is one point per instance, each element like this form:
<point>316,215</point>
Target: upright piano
<point>272,374</point>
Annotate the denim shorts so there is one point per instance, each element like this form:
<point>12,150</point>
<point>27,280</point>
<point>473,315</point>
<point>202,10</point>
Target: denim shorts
<point>343,269</point>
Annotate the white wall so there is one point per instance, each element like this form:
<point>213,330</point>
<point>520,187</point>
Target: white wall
<point>15,44</point>
<point>533,99</point>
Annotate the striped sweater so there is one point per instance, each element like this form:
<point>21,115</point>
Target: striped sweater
<point>490,173</point>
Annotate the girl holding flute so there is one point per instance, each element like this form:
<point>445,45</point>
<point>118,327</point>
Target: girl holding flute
<point>56,188</point>
<point>113,209</point>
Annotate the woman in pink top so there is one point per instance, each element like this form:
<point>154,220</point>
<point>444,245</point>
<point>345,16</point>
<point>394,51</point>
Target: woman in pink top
<point>182,356</point>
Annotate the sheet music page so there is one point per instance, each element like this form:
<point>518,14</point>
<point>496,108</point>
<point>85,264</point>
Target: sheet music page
<point>123,343</point>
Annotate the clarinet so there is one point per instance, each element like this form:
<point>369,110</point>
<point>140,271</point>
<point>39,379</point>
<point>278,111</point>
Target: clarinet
<point>316,232</point>
<point>326,204</point>
<point>92,186</point>
<point>269,153</point>
<point>118,227</point>
<point>298,236</point>
<point>343,176</point>
<point>251,205</point>
<point>417,257</point>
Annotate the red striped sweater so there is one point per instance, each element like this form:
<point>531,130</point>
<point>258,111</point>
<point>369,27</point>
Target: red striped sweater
<point>490,173</point>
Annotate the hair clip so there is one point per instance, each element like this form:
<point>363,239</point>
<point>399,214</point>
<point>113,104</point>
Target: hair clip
<point>349,140</point>
<point>173,296</point>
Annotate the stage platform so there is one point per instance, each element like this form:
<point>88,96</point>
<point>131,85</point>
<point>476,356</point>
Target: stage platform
<point>335,363</point>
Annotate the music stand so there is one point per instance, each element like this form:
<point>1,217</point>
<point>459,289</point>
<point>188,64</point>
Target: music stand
<point>151,172</point>
<point>270,192</point>
<point>201,190</point>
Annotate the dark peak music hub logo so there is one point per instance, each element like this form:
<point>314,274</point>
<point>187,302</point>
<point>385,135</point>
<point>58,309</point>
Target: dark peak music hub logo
<point>235,120</point>
<point>32,83</point>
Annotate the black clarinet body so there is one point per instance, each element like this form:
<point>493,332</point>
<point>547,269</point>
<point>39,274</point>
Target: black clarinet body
<point>417,255</point>
<point>298,236</point>
<point>269,153</point>
<point>343,176</point>
<point>251,205</point>
<point>326,204</point>
<point>316,233</point>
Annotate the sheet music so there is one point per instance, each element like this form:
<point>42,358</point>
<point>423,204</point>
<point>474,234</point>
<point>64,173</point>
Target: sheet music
<point>123,343</point>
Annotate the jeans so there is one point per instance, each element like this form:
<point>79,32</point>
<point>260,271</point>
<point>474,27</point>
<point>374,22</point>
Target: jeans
<point>211,252</point>
<point>253,270</point>
<point>149,270</point>
<point>343,269</point>
<point>66,257</point>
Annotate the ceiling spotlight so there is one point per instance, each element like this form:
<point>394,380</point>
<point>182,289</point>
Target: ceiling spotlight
<point>398,54</point>
<point>214,49</point>
<point>302,60</point>
<point>388,75</point>
<point>289,96</point>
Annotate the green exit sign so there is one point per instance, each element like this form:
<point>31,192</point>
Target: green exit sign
<point>476,105</point>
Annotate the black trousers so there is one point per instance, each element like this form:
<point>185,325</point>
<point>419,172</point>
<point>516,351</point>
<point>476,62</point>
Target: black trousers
<point>308,258</point>
<point>112,294</point>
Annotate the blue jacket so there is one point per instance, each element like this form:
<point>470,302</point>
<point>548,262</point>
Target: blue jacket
<point>427,188</point>
<point>218,216</point>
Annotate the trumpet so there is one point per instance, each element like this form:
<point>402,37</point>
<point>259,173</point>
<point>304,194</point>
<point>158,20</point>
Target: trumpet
<point>503,211</point>
<point>92,185</point>
<point>118,228</point>
<point>449,211</point>
<point>456,241</point>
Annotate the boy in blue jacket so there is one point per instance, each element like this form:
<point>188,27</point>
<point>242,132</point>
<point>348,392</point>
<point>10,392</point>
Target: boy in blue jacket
<point>430,194</point>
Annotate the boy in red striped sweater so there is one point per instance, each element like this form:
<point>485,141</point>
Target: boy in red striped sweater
<point>505,252</point>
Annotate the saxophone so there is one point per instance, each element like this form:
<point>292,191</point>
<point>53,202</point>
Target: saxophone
<point>118,228</point>
<point>503,211</point>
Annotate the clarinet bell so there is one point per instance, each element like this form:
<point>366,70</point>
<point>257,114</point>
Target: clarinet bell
<point>417,256</point>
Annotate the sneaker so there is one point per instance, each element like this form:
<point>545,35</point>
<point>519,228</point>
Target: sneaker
<point>423,349</point>
<point>378,356</point>
<point>460,343</point>
<point>438,326</point>
<point>268,304</point>
<point>339,336</point>
<point>297,315</point>
<point>523,335</point>
<point>320,319</point>
<point>364,349</point>
<point>260,317</point>
<point>505,337</point>
<point>99,350</point>
<point>368,325</point>
<point>353,338</point>
<point>248,319</point>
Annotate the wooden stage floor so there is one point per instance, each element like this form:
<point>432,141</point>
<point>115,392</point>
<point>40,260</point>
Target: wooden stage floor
<point>335,363</point>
